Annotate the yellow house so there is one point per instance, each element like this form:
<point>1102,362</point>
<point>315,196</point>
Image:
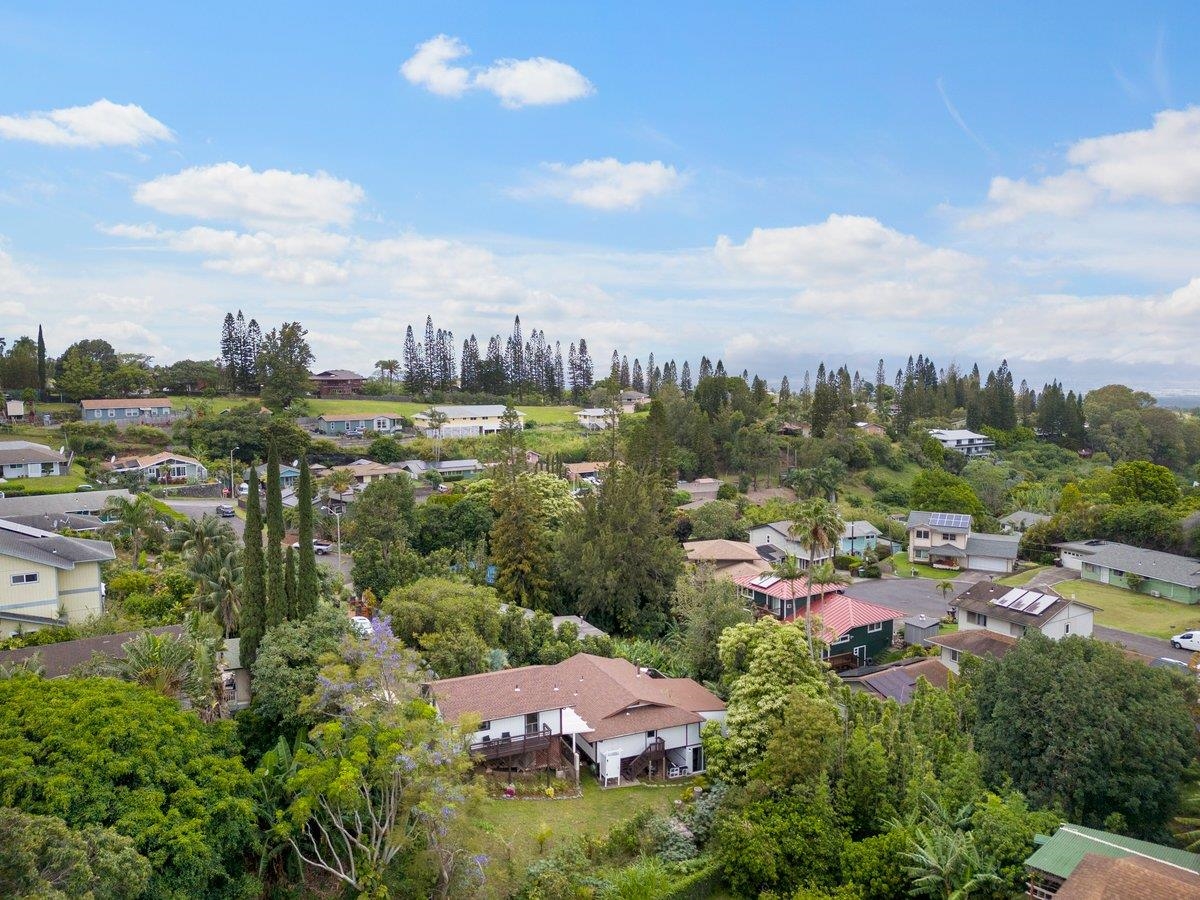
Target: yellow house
<point>47,579</point>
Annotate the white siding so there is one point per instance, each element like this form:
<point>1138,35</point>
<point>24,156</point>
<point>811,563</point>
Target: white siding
<point>989,564</point>
<point>1072,560</point>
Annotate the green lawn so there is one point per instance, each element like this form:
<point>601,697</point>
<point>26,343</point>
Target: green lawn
<point>542,415</point>
<point>904,568</point>
<point>47,484</point>
<point>1020,578</point>
<point>506,830</point>
<point>1128,611</point>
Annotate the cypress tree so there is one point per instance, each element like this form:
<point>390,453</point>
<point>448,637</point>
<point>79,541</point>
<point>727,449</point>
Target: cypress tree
<point>253,620</point>
<point>289,583</point>
<point>41,365</point>
<point>276,605</point>
<point>307,584</point>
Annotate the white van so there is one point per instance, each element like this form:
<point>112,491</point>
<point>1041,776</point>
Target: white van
<point>1189,640</point>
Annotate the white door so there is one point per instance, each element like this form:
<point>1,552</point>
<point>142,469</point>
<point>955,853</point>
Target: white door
<point>1104,575</point>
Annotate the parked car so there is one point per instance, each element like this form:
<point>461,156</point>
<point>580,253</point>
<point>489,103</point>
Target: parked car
<point>225,511</point>
<point>362,626</point>
<point>1189,640</point>
<point>319,547</point>
<point>243,490</point>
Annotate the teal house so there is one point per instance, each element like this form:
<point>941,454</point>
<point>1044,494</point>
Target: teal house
<point>1151,572</point>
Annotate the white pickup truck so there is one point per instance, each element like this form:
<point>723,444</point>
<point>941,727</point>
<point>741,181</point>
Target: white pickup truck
<point>319,547</point>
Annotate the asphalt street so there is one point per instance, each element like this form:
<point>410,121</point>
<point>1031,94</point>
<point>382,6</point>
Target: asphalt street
<point>198,509</point>
<point>914,596</point>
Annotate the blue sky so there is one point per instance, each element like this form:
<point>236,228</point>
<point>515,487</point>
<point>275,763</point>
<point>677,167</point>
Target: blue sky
<point>769,185</point>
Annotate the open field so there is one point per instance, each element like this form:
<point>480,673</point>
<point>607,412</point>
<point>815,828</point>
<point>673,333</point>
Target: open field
<point>1127,611</point>
<point>506,830</point>
<point>542,415</point>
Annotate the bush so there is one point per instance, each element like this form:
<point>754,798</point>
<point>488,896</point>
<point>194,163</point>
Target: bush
<point>727,491</point>
<point>147,434</point>
<point>846,563</point>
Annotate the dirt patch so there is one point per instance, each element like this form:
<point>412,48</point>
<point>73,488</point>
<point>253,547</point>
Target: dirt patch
<point>775,493</point>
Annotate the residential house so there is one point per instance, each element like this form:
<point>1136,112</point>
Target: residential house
<point>90,504</point>
<point>337,383</point>
<point>25,459</point>
<point>945,541</point>
<point>364,471</point>
<point>59,522</point>
<point>1108,562</point>
<point>62,658</point>
<point>794,429</point>
<point>702,490</point>
<point>161,468</point>
<point>575,472</point>
<point>631,401</point>
<point>596,418</point>
<point>130,411</point>
<point>48,579</point>
<point>235,676</point>
<point>976,642</point>
<point>871,429</point>
<point>968,443</point>
<point>447,469</point>
<point>466,421</point>
<point>358,423</point>
<point>1015,611</point>
<point>1109,866</point>
<point>858,537</point>
<point>778,536</point>
<point>897,681</point>
<point>583,627</point>
<point>728,559</point>
<point>627,722</point>
<point>532,458</point>
<point>852,628</point>
<point>288,475</point>
<point>1020,521</point>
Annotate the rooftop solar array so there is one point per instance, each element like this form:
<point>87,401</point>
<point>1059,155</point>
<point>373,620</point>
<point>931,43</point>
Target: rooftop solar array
<point>764,581</point>
<point>949,520</point>
<point>1030,602</point>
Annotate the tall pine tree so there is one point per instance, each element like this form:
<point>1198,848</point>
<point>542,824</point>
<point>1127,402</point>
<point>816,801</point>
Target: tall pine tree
<point>290,588</point>
<point>253,617</point>
<point>277,608</point>
<point>41,363</point>
<point>307,584</point>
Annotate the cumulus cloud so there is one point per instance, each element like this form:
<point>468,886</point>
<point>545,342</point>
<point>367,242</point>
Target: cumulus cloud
<point>538,81</point>
<point>101,124</point>
<point>229,192</point>
<point>1159,164</point>
<point>606,184</point>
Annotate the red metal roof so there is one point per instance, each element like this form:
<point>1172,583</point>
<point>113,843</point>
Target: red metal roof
<point>838,613</point>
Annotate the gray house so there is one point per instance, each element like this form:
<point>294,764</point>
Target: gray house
<point>25,459</point>
<point>775,537</point>
<point>128,411</point>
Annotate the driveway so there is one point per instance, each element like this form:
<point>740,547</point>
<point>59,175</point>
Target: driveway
<point>913,596</point>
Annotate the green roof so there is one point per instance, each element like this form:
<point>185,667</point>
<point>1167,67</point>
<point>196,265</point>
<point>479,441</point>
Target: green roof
<point>1062,852</point>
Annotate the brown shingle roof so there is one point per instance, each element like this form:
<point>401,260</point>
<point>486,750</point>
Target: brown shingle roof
<point>612,695</point>
<point>721,551</point>
<point>59,659</point>
<point>978,598</point>
<point>978,641</point>
<point>129,403</point>
<point>1131,878</point>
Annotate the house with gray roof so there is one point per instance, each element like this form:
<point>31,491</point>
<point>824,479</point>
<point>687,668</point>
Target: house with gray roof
<point>1015,611</point>
<point>858,537</point>
<point>1022,520</point>
<point>25,459</point>
<point>1109,562</point>
<point>969,443</point>
<point>776,537</point>
<point>77,503</point>
<point>48,579</point>
<point>946,541</point>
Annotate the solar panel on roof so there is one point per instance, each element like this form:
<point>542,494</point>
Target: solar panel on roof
<point>950,520</point>
<point>764,581</point>
<point>1043,603</point>
<point>1027,601</point>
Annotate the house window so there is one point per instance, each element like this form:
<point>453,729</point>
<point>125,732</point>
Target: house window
<point>485,726</point>
<point>1067,628</point>
<point>947,537</point>
<point>651,734</point>
<point>922,535</point>
<point>131,413</point>
<point>874,627</point>
<point>112,413</point>
<point>845,638</point>
<point>48,468</point>
<point>974,618</point>
<point>922,554</point>
<point>179,471</point>
<point>1119,573</point>
<point>25,578</point>
<point>954,655</point>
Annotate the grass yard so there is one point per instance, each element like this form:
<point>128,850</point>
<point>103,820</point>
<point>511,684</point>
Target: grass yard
<point>1019,578</point>
<point>542,415</point>
<point>506,830</point>
<point>1128,611</point>
<point>903,568</point>
<point>47,484</point>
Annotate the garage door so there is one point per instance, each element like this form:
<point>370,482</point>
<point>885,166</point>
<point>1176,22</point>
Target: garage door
<point>987,564</point>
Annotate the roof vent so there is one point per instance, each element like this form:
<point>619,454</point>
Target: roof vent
<point>517,689</point>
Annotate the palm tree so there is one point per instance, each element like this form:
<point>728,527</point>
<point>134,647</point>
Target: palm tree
<point>945,587</point>
<point>388,368</point>
<point>136,514</point>
<point>945,862</point>
<point>201,541</point>
<point>818,527</point>
<point>162,662</point>
<point>337,482</point>
<point>437,420</point>
<point>790,571</point>
<point>223,589</point>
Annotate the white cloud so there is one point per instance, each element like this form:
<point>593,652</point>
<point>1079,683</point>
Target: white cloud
<point>537,81</point>
<point>101,124</point>
<point>126,335</point>
<point>429,68</point>
<point>1158,164</point>
<point>230,192</point>
<point>606,184</point>
<point>533,82</point>
<point>1119,328</point>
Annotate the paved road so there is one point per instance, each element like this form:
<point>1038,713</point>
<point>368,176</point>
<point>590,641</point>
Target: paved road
<point>914,596</point>
<point>198,509</point>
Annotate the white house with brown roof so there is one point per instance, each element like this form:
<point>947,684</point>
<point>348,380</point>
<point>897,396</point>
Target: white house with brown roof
<point>1015,611</point>
<point>162,468</point>
<point>465,420</point>
<point>626,721</point>
<point>25,459</point>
